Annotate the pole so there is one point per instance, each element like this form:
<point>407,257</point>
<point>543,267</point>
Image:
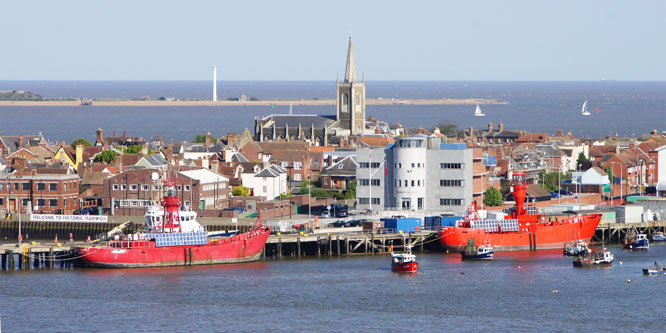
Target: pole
<point>559,186</point>
<point>370,178</point>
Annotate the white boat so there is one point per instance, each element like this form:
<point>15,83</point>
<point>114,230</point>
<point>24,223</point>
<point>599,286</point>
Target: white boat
<point>477,112</point>
<point>584,111</point>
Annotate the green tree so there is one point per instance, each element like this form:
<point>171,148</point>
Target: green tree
<point>240,191</point>
<point>107,156</point>
<point>583,162</point>
<point>351,190</point>
<point>134,149</point>
<point>202,139</point>
<point>84,142</point>
<point>549,180</point>
<point>611,174</point>
<point>492,197</point>
<point>447,128</point>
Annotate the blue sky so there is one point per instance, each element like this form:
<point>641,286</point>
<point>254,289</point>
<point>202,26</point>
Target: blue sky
<point>306,40</point>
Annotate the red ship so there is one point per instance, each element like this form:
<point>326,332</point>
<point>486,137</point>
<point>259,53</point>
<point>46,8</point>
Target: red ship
<point>520,230</point>
<point>172,237</point>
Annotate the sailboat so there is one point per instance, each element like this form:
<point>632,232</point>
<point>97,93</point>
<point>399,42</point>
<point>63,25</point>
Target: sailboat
<point>585,112</point>
<point>477,112</point>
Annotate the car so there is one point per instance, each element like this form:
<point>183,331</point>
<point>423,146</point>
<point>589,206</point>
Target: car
<point>341,213</point>
<point>355,223</point>
<point>240,209</point>
<point>339,224</point>
<point>554,195</point>
<point>564,191</point>
<point>87,211</point>
<point>325,214</point>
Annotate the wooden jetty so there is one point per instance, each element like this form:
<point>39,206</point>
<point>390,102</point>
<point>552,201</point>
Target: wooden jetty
<point>613,233</point>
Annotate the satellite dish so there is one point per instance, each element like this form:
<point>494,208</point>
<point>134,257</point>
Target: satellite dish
<point>154,176</point>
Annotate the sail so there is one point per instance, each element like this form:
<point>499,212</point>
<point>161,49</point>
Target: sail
<point>478,112</point>
<point>584,110</point>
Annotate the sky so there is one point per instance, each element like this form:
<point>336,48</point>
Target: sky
<point>510,40</point>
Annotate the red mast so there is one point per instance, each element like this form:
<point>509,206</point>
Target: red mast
<point>171,204</point>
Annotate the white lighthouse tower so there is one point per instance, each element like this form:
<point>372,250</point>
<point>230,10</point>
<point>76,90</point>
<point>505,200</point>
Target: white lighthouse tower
<point>214,83</point>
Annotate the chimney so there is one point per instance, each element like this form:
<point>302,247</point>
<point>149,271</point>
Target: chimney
<point>215,165</point>
<point>144,151</point>
<point>471,131</point>
<point>376,122</point>
<point>653,131</point>
<point>207,139</point>
<point>124,134</point>
<point>560,133</point>
<point>490,126</point>
<point>115,134</point>
<point>100,137</point>
<point>20,141</point>
<point>500,126</point>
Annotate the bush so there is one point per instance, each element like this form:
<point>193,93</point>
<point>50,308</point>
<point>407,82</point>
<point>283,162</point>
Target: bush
<point>84,142</point>
<point>492,197</point>
<point>240,191</point>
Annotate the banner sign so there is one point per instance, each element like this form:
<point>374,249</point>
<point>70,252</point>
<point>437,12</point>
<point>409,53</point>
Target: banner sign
<point>68,218</point>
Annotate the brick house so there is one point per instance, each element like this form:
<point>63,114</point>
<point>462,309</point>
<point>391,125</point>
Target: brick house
<point>129,193</point>
<point>43,193</point>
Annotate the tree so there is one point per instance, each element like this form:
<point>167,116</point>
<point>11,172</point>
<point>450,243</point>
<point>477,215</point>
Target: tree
<point>550,180</point>
<point>107,156</point>
<point>583,162</point>
<point>351,190</point>
<point>84,142</point>
<point>202,139</point>
<point>611,174</point>
<point>447,128</point>
<point>492,197</point>
<point>240,191</point>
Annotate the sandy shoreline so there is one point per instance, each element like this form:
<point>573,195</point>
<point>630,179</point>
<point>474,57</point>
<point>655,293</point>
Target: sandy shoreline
<point>373,101</point>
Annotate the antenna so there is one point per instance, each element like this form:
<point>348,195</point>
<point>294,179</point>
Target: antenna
<point>214,83</point>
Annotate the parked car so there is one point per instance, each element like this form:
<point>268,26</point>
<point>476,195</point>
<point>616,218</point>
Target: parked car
<point>240,209</point>
<point>339,224</point>
<point>355,223</point>
<point>325,214</point>
<point>87,211</point>
<point>554,195</point>
<point>564,191</point>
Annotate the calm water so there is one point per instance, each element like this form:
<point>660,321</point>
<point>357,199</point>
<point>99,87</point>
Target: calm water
<point>512,293</point>
<point>626,108</point>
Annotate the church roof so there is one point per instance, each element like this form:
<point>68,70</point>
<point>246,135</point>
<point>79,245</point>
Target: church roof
<point>305,120</point>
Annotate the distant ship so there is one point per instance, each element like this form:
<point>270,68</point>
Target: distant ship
<point>584,111</point>
<point>477,112</point>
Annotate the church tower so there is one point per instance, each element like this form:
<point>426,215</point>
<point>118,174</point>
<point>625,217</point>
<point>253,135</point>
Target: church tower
<point>351,97</point>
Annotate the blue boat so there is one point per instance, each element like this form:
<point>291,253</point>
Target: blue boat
<point>658,237</point>
<point>639,242</point>
<point>473,252</point>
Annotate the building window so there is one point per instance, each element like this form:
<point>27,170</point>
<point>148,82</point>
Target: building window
<point>123,187</point>
<point>65,186</point>
<point>15,186</point>
<point>41,186</point>
<point>53,186</point>
<point>375,201</point>
<point>298,165</point>
<point>25,186</point>
<point>25,202</point>
<point>297,176</point>
<point>450,182</point>
<point>406,183</point>
<point>53,202</point>
<point>363,182</point>
<point>156,187</point>
<point>180,187</point>
<point>374,165</point>
<point>41,202</point>
<point>345,102</point>
<point>2,186</point>
<point>187,187</point>
<point>64,202</point>
<point>450,202</point>
<point>2,201</point>
<point>115,187</point>
<point>284,165</point>
<point>364,165</point>
<point>451,165</point>
<point>265,189</point>
<point>145,187</point>
<point>134,187</point>
<point>374,182</point>
<point>363,201</point>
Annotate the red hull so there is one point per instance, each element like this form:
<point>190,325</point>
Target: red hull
<point>532,235</point>
<point>239,248</point>
<point>407,267</point>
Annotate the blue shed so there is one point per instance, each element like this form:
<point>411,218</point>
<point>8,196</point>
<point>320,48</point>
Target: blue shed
<point>402,224</point>
<point>434,222</point>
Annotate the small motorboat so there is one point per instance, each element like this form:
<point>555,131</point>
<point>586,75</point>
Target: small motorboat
<point>638,242</point>
<point>595,259</point>
<point>481,252</point>
<point>654,270</point>
<point>404,262</point>
<point>578,248</point>
<point>658,237</point>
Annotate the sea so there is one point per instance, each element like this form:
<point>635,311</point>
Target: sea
<point>623,108</point>
<point>538,291</point>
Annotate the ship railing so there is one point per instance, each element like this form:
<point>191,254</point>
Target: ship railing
<point>128,244</point>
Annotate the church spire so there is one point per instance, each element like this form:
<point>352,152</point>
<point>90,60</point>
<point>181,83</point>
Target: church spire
<point>350,71</point>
